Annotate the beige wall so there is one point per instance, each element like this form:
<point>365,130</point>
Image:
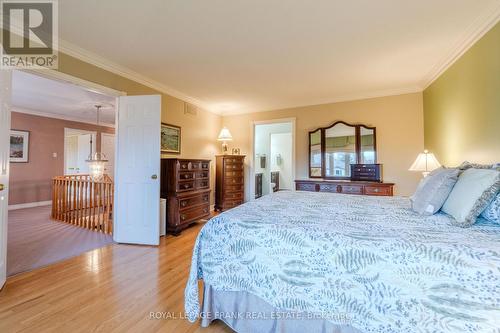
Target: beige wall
<point>462,107</point>
<point>198,132</point>
<point>32,181</point>
<point>399,122</point>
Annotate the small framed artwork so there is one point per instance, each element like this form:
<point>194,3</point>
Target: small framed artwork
<point>19,146</point>
<point>170,139</point>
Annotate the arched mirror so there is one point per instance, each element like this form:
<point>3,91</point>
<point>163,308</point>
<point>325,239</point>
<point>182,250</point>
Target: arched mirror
<point>333,149</point>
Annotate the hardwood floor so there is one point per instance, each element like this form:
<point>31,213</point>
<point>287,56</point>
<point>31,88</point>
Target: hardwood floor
<point>112,289</point>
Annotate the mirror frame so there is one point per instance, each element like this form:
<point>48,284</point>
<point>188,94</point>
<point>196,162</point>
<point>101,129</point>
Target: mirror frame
<point>357,129</point>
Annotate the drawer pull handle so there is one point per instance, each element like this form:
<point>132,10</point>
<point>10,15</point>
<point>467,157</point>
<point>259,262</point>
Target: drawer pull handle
<point>205,210</point>
<point>183,217</point>
<point>205,198</point>
<point>183,203</point>
<point>376,190</point>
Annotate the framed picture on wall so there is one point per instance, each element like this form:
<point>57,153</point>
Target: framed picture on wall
<point>19,146</point>
<point>170,139</point>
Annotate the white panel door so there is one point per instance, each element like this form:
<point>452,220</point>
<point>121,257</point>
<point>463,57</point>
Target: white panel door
<point>70,154</point>
<point>5,95</point>
<point>108,149</point>
<point>84,152</point>
<point>137,183</point>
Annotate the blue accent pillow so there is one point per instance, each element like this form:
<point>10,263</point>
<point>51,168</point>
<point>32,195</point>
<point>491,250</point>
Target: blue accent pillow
<point>492,211</point>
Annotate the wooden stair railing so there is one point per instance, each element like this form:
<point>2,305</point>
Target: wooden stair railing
<point>81,201</point>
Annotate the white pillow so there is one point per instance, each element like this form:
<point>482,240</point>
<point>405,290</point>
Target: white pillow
<point>471,194</point>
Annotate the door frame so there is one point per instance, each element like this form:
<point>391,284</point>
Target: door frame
<point>250,191</point>
<point>94,141</point>
<point>56,75</point>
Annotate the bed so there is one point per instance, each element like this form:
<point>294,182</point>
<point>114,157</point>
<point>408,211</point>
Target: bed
<point>323,262</point>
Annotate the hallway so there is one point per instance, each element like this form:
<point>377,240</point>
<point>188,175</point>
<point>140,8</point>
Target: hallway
<point>34,240</point>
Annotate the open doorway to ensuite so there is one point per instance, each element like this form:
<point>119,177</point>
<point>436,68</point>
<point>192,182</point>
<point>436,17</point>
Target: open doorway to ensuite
<point>273,156</point>
<point>56,210</point>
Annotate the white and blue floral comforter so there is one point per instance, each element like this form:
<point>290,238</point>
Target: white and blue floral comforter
<point>372,258</point>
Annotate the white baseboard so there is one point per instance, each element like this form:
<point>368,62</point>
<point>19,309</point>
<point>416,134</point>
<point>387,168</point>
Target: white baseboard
<point>30,205</point>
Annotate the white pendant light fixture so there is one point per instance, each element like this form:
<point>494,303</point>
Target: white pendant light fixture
<point>97,160</point>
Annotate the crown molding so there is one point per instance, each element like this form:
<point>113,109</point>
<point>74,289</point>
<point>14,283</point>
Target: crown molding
<point>110,66</point>
<point>481,25</point>
<point>57,116</point>
<point>96,60</point>
<point>340,99</point>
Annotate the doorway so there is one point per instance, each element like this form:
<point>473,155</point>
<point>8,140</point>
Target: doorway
<point>78,146</point>
<point>55,211</point>
<point>138,169</point>
<point>274,156</point>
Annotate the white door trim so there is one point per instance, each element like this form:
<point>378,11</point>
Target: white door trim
<point>53,74</point>
<point>5,124</point>
<point>250,192</point>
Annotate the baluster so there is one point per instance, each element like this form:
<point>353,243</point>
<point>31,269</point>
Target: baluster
<point>91,204</point>
<point>71,207</point>
<point>77,202</point>
<point>64,201</point>
<point>87,204</point>
<point>80,202</point>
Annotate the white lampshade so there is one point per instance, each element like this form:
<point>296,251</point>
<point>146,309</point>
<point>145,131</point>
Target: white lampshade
<point>225,135</point>
<point>425,162</point>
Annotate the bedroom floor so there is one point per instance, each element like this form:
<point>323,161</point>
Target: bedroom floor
<point>111,289</point>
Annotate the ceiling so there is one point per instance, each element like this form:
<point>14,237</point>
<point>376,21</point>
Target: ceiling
<point>243,56</point>
<point>40,96</point>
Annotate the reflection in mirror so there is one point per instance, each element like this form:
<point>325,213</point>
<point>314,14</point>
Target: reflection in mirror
<point>315,158</point>
<point>340,150</point>
<point>367,145</point>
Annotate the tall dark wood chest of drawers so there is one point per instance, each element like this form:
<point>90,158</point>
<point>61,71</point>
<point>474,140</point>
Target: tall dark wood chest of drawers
<point>185,183</point>
<point>230,181</point>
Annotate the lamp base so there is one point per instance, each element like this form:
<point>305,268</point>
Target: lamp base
<point>224,148</point>
<point>425,173</point>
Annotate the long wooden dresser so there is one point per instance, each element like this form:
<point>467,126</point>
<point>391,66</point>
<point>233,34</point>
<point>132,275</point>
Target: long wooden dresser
<point>345,186</point>
<point>229,181</point>
<point>185,183</point>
